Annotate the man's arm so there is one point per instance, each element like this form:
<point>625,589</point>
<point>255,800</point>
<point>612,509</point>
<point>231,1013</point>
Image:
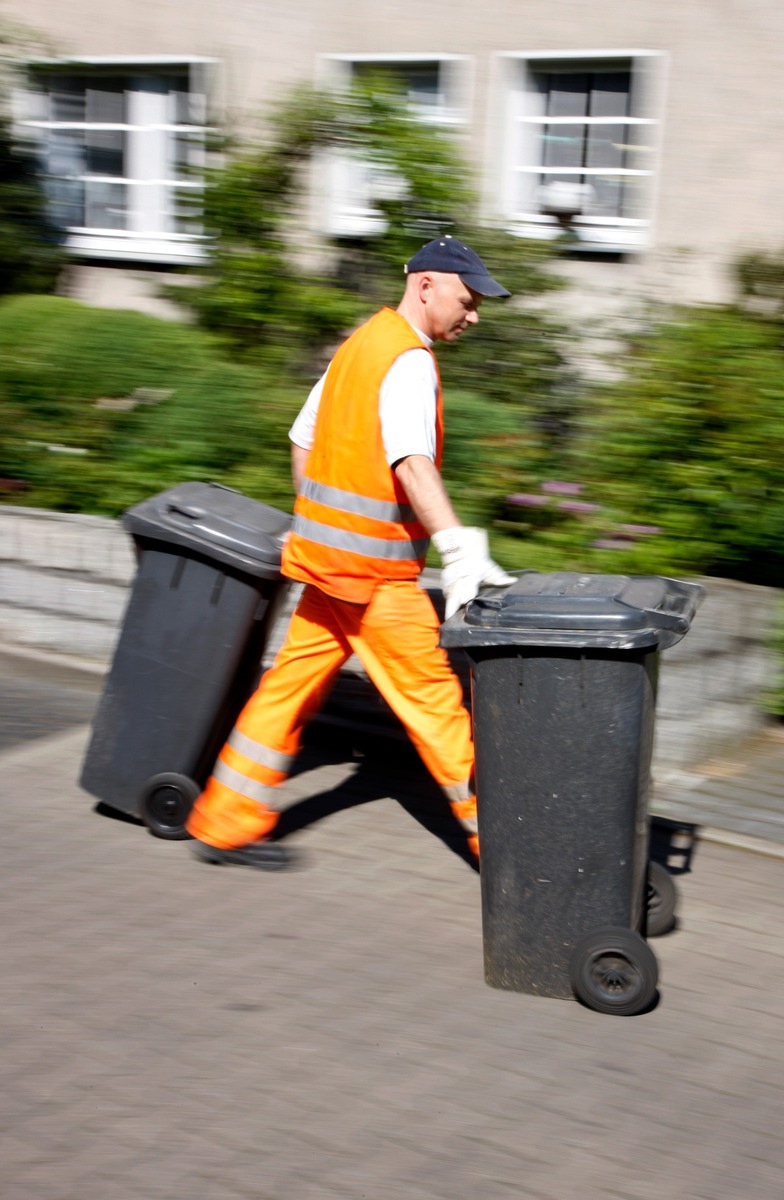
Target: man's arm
<point>299,462</point>
<point>464,553</point>
<point>421,480</point>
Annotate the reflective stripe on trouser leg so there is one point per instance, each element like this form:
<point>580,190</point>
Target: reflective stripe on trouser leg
<point>396,638</point>
<point>463,803</point>
<point>239,802</point>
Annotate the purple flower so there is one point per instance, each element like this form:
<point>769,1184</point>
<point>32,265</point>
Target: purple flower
<point>559,488</point>
<point>577,506</point>
<point>526,500</point>
<point>611,544</point>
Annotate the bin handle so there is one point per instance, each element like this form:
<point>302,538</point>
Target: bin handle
<point>187,510</point>
<point>685,599</point>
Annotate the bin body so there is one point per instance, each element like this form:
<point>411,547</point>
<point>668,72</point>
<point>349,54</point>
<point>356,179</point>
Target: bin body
<point>205,596</point>
<point>563,685</point>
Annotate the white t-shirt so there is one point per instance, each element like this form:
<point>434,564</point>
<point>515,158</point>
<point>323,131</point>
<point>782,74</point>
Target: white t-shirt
<point>407,407</point>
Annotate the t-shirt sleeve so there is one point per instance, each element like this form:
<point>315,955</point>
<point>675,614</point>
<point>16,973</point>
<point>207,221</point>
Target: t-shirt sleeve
<point>407,407</point>
<point>303,431</point>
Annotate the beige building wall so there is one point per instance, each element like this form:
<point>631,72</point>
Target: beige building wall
<point>718,90</point>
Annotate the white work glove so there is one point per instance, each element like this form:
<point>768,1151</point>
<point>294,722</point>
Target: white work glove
<point>466,565</point>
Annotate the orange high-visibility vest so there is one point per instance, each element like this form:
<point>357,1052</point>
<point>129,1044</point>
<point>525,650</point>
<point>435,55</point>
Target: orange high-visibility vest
<point>353,525</point>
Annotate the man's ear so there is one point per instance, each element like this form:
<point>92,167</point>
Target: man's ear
<point>426,285</point>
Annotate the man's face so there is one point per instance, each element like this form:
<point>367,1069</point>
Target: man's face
<point>450,306</point>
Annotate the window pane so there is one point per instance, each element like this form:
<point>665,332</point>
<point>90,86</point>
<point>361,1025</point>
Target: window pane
<point>606,146</point>
<point>568,94</point>
<point>635,196</point>
<point>181,113</point>
<point>186,209</point>
<point>66,201</point>
<point>562,145</point>
<point>105,151</point>
<point>422,83</point>
<point>66,99</point>
<point>105,104</point>
<point>418,83</point>
<point>65,152</point>
<point>610,93</point>
<point>105,205</point>
<point>187,154</point>
<point>606,196</point>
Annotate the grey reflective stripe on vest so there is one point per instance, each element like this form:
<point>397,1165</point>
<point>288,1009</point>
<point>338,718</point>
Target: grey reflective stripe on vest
<point>260,792</point>
<point>265,756</point>
<point>359,543</point>
<point>352,502</point>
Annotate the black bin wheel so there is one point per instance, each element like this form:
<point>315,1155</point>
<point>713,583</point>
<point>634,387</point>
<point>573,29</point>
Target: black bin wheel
<point>165,803</point>
<point>614,971</point>
<point>661,899</point>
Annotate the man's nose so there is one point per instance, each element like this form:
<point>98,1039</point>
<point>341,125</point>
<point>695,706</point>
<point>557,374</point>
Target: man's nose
<point>472,318</point>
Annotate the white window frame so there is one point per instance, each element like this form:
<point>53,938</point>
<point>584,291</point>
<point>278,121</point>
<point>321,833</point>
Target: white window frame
<point>148,176</point>
<point>513,112</point>
<point>344,185</point>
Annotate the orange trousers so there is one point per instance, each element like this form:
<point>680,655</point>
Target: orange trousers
<point>395,637</point>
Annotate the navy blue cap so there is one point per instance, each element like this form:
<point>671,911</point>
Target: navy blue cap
<point>452,257</point>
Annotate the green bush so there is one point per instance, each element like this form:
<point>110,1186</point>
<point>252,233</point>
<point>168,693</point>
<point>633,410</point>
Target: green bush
<point>677,468</point>
<point>31,253</point>
<point>105,407</point>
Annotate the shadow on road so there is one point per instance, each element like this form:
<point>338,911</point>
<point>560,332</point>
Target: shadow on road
<point>385,769</point>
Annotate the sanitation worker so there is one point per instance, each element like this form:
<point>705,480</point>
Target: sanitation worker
<point>366,451</point>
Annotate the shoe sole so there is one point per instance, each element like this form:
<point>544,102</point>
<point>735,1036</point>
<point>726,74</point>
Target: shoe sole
<point>218,858</point>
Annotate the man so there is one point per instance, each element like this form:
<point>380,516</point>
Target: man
<point>366,451</point>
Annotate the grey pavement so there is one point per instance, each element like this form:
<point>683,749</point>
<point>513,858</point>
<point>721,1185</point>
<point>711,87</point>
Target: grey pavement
<point>176,1030</point>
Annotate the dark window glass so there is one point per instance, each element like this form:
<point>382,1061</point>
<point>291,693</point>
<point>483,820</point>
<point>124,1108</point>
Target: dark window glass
<point>66,99</point>
<point>105,151</point>
<point>610,94</point>
<point>418,82</point>
<point>568,94</point>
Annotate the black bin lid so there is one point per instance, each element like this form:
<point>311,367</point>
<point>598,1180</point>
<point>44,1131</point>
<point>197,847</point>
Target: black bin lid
<point>216,522</point>
<point>566,608</point>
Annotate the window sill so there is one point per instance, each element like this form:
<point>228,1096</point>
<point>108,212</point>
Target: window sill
<point>175,251</point>
<point>602,239</point>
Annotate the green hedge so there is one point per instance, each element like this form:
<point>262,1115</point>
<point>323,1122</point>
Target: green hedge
<point>104,407</point>
<point>676,468</point>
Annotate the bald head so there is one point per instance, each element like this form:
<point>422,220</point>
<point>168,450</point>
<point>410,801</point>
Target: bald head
<point>439,304</point>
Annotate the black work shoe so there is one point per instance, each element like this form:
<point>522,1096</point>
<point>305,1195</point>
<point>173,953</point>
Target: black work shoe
<point>264,856</point>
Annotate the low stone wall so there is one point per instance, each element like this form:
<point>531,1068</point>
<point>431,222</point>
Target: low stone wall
<point>64,583</point>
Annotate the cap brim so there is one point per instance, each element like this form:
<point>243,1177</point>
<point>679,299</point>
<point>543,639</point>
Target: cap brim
<point>485,285</point>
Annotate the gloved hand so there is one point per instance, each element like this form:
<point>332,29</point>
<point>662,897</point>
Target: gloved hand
<point>466,565</point>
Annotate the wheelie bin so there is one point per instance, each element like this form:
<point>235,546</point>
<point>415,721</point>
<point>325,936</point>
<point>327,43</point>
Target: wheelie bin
<point>563,682</point>
<point>205,597</point>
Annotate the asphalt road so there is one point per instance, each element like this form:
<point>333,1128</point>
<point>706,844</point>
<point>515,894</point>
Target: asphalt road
<point>38,699</point>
